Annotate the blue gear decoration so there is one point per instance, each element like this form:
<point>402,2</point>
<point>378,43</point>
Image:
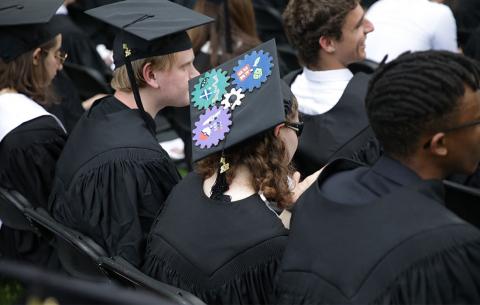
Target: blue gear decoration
<point>252,71</point>
<point>210,88</point>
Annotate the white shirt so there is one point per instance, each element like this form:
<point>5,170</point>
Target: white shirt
<point>409,25</point>
<point>319,91</point>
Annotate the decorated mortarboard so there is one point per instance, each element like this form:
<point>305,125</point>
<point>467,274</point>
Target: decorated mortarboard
<point>235,101</point>
<point>24,25</point>
<point>148,28</point>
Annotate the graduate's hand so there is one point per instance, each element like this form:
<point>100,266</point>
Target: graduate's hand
<point>86,104</point>
<point>301,187</point>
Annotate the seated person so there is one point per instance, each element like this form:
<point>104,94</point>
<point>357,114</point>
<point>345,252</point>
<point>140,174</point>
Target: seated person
<point>383,234</point>
<point>219,235</point>
<point>113,176</point>
<point>31,138</point>
<point>329,36</point>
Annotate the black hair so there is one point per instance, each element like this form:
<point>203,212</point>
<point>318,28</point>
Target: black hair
<point>417,93</point>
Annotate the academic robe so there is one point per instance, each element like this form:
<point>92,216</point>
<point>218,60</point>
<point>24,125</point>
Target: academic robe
<point>112,179</point>
<point>28,154</point>
<point>224,253</point>
<point>343,131</point>
<point>404,247</point>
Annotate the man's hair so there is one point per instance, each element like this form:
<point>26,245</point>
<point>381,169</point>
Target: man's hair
<point>120,80</point>
<point>305,21</point>
<point>417,93</point>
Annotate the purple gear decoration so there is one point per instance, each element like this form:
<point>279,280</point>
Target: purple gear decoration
<point>252,71</point>
<point>211,127</point>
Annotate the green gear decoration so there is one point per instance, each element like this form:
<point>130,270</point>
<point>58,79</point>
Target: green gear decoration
<point>210,88</point>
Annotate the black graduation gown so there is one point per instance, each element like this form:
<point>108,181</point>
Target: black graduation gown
<point>403,248</point>
<point>112,178</point>
<point>343,131</point>
<point>222,253</point>
<point>81,50</point>
<point>28,155</point>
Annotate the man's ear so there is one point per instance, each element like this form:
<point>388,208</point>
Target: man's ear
<point>36,56</point>
<point>438,145</point>
<point>327,44</point>
<point>149,75</point>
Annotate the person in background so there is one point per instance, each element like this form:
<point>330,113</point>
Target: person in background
<point>113,177</point>
<point>31,139</point>
<point>329,36</point>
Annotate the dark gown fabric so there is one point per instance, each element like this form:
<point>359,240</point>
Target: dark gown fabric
<point>112,179</point>
<point>81,50</point>
<point>404,247</point>
<point>27,164</point>
<point>343,131</point>
<point>224,253</point>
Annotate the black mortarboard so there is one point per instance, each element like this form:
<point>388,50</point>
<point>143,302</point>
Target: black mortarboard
<point>236,101</point>
<point>150,27</point>
<point>23,25</point>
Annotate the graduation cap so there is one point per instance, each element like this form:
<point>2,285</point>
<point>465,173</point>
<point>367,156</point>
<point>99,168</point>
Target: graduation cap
<point>236,100</point>
<point>24,25</point>
<point>148,28</point>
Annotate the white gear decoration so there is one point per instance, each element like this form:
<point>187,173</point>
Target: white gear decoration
<point>238,101</point>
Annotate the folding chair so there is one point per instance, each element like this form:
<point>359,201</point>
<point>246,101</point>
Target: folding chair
<point>12,210</point>
<point>121,271</point>
<point>463,201</point>
<point>78,254</point>
<point>88,81</point>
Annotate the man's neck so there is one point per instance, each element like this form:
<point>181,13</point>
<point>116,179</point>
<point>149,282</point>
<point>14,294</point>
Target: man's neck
<point>128,100</point>
<point>425,169</point>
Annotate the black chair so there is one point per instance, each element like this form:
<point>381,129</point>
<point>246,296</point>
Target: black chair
<point>87,80</point>
<point>78,254</point>
<point>121,271</point>
<point>12,207</point>
<point>463,201</point>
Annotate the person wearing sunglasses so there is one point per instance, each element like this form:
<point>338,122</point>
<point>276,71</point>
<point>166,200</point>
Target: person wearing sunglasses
<point>31,137</point>
<point>388,237</point>
<point>222,232</point>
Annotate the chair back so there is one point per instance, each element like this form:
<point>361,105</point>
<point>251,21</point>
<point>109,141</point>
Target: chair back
<point>78,254</point>
<point>121,271</point>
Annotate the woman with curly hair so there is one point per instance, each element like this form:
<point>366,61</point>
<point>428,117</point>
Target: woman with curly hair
<point>220,235</point>
<point>31,139</point>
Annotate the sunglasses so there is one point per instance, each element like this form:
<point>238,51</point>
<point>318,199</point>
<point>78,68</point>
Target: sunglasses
<point>461,126</point>
<point>297,127</point>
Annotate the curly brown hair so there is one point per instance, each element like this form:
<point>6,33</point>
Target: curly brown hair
<point>305,21</point>
<point>24,77</point>
<point>264,156</point>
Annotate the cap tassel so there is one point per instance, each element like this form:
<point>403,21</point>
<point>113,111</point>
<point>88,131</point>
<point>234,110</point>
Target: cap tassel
<point>221,186</point>
<point>136,94</point>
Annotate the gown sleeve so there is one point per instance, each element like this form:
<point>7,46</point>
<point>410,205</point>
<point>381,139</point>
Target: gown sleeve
<point>116,202</point>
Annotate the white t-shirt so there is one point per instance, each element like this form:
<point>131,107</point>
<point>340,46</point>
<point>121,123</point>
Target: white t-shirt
<point>409,25</point>
<point>319,91</point>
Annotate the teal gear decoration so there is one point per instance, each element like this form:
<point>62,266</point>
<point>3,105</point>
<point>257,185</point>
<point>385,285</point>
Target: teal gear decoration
<point>210,88</point>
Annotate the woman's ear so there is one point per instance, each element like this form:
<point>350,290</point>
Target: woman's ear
<point>276,131</point>
<point>36,56</point>
<point>149,75</point>
<point>438,145</point>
